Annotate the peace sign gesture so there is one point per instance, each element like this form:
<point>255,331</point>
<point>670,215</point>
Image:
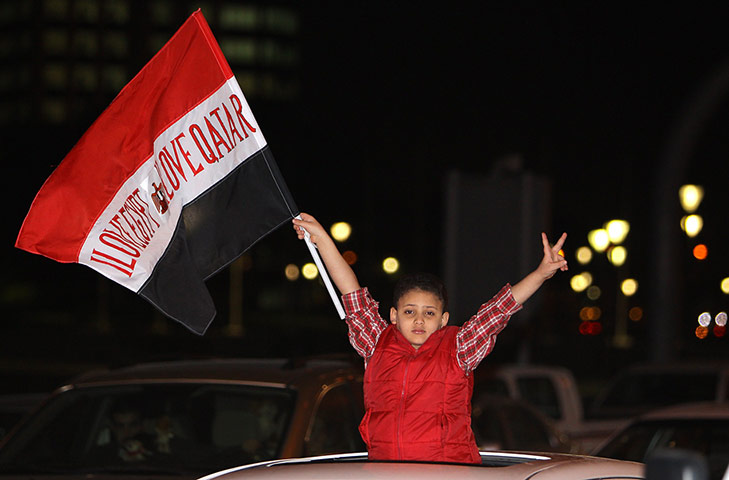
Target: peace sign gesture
<point>552,260</point>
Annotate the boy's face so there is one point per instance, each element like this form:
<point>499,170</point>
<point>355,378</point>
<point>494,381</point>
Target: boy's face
<point>418,315</point>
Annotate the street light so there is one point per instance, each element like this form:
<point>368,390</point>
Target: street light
<point>617,230</point>
<point>599,239</point>
<point>690,197</point>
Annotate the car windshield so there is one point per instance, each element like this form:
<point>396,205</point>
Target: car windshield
<point>708,437</point>
<point>175,428</point>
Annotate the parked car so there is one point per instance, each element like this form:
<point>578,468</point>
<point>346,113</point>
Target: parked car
<point>494,465</point>
<point>189,418</point>
<point>13,407</point>
<point>553,391</point>
<point>502,423</point>
<point>645,387</point>
<point>699,427</point>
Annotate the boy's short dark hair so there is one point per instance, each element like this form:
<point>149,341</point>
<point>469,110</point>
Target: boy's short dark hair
<point>426,282</point>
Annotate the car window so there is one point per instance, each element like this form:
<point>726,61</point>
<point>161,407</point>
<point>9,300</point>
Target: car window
<point>528,431</point>
<point>495,386</point>
<point>540,392</point>
<point>335,424</point>
<point>189,428</point>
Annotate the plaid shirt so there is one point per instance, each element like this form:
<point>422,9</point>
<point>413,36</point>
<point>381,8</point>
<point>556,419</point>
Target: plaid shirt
<point>475,339</point>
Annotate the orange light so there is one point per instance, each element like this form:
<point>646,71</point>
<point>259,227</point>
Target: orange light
<point>719,331</point>
<point>700,251</point>
<point>635,314</point>
<point>350,257</point>
<point>590,313</point>
<point>701,332</point>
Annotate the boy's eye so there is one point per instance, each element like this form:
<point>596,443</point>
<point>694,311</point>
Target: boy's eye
<point>408,312</point>
<point>430,314</point>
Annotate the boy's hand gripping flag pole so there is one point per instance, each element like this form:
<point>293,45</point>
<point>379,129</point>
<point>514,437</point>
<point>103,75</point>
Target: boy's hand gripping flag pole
<point>323,272</point>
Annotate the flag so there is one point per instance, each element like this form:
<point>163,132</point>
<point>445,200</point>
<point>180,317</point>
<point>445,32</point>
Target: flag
<point>169,185</point>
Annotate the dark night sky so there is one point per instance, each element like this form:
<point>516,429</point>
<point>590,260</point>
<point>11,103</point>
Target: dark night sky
<point>587,93</point>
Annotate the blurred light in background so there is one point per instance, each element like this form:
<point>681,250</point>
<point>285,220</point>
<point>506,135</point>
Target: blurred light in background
<point>719,331</point>
<point>309,271</point>
<point>690,197</point>
<point>725,285</point>
<point>390,265</point>
<point>629,287</point>
<point>700,252</point>
<point>584,255</point>
<point>635,314</point>
<point>617,255</point>
<point>590,328</point>
<point>341,231</point>
<point>617,230</point>
<point>692,225</point>
<point>705,319</point>
<point>581,281</point>
<point>593,292</point>
<point>590,313</point>
<point>701,332</point>
<point>292,272</point>
<point>350,257</point>
<point>599,240</point>
<point>720,319</point>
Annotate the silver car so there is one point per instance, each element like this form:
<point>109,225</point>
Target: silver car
<point>494,465</point>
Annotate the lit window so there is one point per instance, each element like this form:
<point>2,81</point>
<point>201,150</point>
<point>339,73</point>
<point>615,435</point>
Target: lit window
<point>244,17</point>
<point>116,11</point>
<point>86,43</point>
<point>54,110</point>
<point>55,41</point>
<point>85,78</point>
<point>86,10</point>
<point>239,49</point>
<point>54,75</point>
<point>115,44</point>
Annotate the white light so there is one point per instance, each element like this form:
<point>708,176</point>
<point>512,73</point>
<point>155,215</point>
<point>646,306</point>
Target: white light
<point>690,197</point>
<point>705,319</point>
<point>341,231</point>
<point>309,271</point>
<point>692,224</point>
<point>720,319</point>
<point>617,230</point>
<point>617,255</point>
<point>390,265</point>
<point>599,239</point>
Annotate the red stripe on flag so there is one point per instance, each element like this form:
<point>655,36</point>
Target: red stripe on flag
<point>182,74</point>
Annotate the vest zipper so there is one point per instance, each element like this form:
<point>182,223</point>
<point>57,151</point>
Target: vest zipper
<point>402,408</point>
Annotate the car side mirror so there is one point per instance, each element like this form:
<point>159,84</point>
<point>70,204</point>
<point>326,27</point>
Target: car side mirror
<point>676,464</point>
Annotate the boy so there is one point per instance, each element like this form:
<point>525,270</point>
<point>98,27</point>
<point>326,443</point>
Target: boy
<point>418,381</point>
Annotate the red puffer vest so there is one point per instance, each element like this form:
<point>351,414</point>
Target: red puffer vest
<point>418,402</point>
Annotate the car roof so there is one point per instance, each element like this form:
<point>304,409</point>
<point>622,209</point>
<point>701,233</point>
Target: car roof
<point>280,371</point>
<point>501,465</point>
<point>689,411</point>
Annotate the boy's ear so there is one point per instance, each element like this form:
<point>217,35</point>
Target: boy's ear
<point>393,315</point>
<point>444,319</point>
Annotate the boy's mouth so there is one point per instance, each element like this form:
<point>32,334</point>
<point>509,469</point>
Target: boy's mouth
<point>418,331</point>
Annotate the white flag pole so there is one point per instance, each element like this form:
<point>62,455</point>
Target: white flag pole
<point>323,272</point>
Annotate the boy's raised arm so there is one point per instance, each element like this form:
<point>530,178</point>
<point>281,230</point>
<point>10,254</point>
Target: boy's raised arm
<point>549,265</point>
<point>339,270</point>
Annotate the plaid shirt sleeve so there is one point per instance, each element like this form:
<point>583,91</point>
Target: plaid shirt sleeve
<point>476,338</point>
<point>364,321</point>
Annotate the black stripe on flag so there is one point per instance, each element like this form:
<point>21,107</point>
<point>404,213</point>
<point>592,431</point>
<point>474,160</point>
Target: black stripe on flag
<point>214,230</point>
